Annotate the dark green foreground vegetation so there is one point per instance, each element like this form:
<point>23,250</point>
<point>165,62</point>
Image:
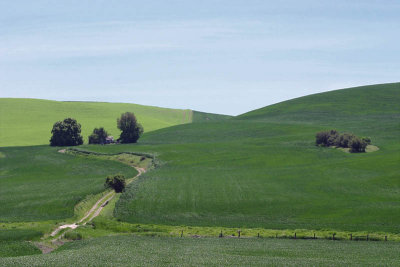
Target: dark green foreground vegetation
<point>166,251</point>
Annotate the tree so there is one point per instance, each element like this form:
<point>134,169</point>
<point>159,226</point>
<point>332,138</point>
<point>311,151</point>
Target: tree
<point>66,133</point>
<point>131,129</point>
<point>98,136</point>
<point>116,182</point>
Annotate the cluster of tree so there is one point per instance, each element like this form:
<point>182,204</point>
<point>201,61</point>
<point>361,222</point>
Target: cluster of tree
<point>116,182</point>
<point>68,132</point>
<point>346,140</point>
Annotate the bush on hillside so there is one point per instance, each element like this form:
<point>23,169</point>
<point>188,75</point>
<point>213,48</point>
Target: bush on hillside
<point>98,136</point>
<point>327,138</point>
<point>366,140</point>
<point>345,140</point>
<point>131,129</point>
<point>73,236</point>
<point>357,145</point>
<point>66,133</point>
<point>116,182</point>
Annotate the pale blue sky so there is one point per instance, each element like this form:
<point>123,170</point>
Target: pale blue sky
<point>223,56</point>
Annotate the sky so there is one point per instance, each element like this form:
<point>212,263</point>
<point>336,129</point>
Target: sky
<point>221,56</point>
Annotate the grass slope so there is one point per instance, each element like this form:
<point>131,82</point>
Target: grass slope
<point>150,251</point>
<point>365,110</point>
<point>26,122</point>
<point>208,117</point>
<point>17,248</point>
<point>259,171</point>
<point>38,183</point>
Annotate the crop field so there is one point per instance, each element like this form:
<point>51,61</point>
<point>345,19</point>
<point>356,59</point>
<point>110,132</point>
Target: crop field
<point>13,242</point>
<point>17,248</point>
<point>259,172</point>
<point>160,251</point>
<point>25,122</point>
<point>39,184</point>
<point>256,172</point>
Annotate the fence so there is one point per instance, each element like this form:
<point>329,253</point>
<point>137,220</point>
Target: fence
<point>333,237</point>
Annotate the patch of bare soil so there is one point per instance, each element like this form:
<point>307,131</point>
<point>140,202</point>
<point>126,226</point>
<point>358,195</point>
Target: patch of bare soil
<point>44,248</point>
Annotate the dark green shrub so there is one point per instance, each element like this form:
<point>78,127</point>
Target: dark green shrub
<point>327,138</point>
<point>321,138</point>
<point>66,133</point>
<point>98,136</point>
<point>357,145</point>
<point>131,129</point>
<point>73,236</point>
<point>366,140</point>
<point>346,140</point>
<point>333,139</point>
<point>116,182</point>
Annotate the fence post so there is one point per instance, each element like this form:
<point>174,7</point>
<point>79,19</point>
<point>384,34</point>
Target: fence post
<point>239,234</point>
<point>220,235</point>
<point>333,236</point>
<point>295,237</point>
<point>367,237</point>
<point>181,233</point>
<point>314,235</point>
<point>351,236</point>
<point>385,237</point>
<point>258,235</point>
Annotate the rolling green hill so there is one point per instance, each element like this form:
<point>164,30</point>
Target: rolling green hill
<point>25,122</point>
<point>258,170</point>
<point>366,110</point>
<point>338,105</point>
<point>263,169</point>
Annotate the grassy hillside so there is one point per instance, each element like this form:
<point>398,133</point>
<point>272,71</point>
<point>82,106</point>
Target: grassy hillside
<point>38,183</point>
<point>258,171</point>
<point>151,251</point>
<point>365,109</point>
<point>208,117</point>
<point>371,100</point>
<point>26,122</point>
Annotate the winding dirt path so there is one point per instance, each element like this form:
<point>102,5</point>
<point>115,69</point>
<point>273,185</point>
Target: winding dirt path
<point>96,209</point>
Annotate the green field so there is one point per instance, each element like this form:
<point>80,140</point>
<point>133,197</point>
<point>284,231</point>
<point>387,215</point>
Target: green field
<point>13,242</point>
<point>161,251</point>
<point>39,184</point>
<point>25,122</point>
<point>257,171</point>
